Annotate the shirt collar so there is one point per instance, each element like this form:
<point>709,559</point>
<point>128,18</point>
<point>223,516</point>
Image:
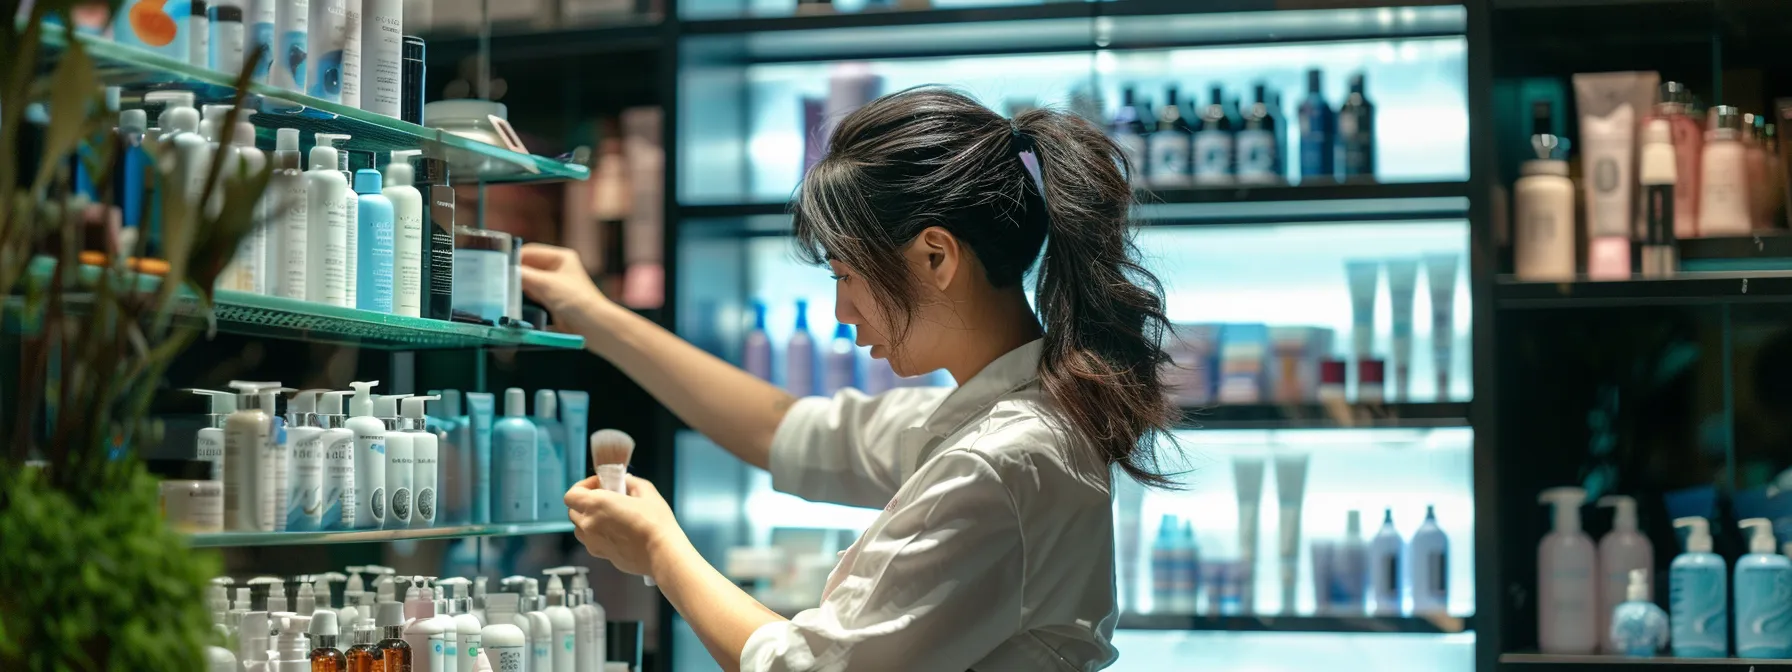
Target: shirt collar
<point>1015,370</point>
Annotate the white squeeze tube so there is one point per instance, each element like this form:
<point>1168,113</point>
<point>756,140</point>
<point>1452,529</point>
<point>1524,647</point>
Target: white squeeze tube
<point>1440,277</point>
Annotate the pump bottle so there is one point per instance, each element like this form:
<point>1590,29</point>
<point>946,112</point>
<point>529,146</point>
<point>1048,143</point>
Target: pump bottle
<point>279,453</point>
<point>370,458</point>
<point>326,657</point>
<point>289,244</point>
<point>1763,595</point>
<point>252,639</point>
<point>587,625</point>
<point>209,445</point>
<point>423,632</point>
<point>1620,551</point>
<point>424,462</point>
<point>394,653</point>
<point>351,204</point>
<point>304,500</point>
<point>466,625</point>
<point>541,630</point>
<point>401,480</point>
<point>338,441</point>
<point>1566,594</point>
<point>247,435</point>
<point>1638,627</point>
<point>291,646</point>
<point>504,644</point>
<point>327,229</point>
<point>514,447</point>
<point>407,250</point>
<point>550,461</point>
<point>563,642</point>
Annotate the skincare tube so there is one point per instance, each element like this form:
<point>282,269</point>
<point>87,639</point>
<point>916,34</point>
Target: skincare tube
<point>1248,472</point>
<point>479,415</point>
<point>1364,275</point>
<point>575,407</point>
<point>1609,105</point>
<point>1403,277</point>
<point>1440,277</point>
<point>1291,487</point>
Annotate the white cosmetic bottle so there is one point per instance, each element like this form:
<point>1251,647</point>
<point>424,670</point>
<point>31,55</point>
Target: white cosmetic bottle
<point>277,482</point>
<point>1621,551</point>
<point>351,204</point>
<point>400,462</point>
<point>209,443</point>
<point>1723,185</point>
<point>423,631</point>
<point>326,274</point>
<point>370,457</point>
<point>382,47</point>
<point>541,630</point>
<point>338,441</point>
<point>587,625</point>
<point>351,54</point>
<point>563,644</point>
<point>192,154</point>
<point>503,642</point>
<point>304,500</point>
<point>250,263</point>
<point>288,244</point>
<point>246,437</point>
<point>1566,586</point>
<point>329,42</point>
<point>1543,209</point>
<point>466,625</point>
<point>424,460</point>
<point>407,218</point>
<point>292,45</point>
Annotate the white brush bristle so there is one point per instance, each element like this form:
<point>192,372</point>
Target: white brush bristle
<point>610,446</point>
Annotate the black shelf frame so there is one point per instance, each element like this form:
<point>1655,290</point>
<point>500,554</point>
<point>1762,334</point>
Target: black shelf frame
<point>1434,625</point>
<point>1686,289</point>
<point>1542,662</point>
<point>1316,416</point>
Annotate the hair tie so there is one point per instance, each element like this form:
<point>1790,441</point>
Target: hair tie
<point>1025,148</point>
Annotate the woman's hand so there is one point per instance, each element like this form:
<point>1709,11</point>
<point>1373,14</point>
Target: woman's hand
<point>556,279</point>
<point>632,532</point>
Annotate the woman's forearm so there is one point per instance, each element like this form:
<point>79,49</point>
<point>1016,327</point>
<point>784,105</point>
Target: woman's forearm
<point>730,406</point>
<point>722,615</point>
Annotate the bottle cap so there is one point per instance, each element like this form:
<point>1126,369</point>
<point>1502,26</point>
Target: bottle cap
<point>1371,371</point>
<point>1675,93</point>
<point>545,405</point>
<point>244,134</point>
<point>1567,502</point>
<point>1624,515</point>
<point>1724,118</point>
<point>286,140</point>
<point>414,410</point>
<point>513,402</point>
<point>133,120</point>
<point>323,156</point>
<point>1761,538</point>
<point>1638,590</point>
<point>368,181</point>
<point>802,315</point>
<point>323,623</point>
<point>399,172</point>
<point>1698,536</point>
<point>387,614</point>
<point>361,404</point>
<point>181,119</point>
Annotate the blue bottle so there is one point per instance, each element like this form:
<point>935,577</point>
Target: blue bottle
<point>1188,559</point>
<point>1763,596</point>
<point>1698,596</point>
<point>1639,628</point>
<point>374,271</point>
<point>1318,130</point>
<point>1165,573</point>
<point>550,458</point>
<point>513,454</point>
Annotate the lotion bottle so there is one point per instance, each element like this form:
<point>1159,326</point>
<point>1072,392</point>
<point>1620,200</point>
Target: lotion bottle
<point>401,474</point>
<point>370,458</point>
<point>587,625</point>
<point>562,645</point>
<point>338,441</point>
<point>502,641</point>
<point>466,625</point>
<point>550,460</point>
<point>1384,567</point>
<point>250,264</point>
<point>840,364</point>
<point>425,463</point>
<point>352,218</point>
<point>1638,626</point>
<point>247,434</point>
<point>288,197</point>
<point>327,229</point>
<point>1723,186</point>
<point>1543,208</point>
<point>209,443</point>
<point>407,218</point>
<point>329,38</point>
<point>541,630</point>
<point>1621,551</point>
<point>304,501</point>
<point>799,356</point>
<point>1567,597</point>
<point>423,633</point>
<point>373,268</point>
<point>382,47</point>
<point>1428,557</point>
<point>1657,175</point>
<point>513,450</point>
<point>1763,595</point>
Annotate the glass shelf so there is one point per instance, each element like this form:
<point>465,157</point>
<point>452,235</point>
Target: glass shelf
<point>1540,662</point>
<point>470,161</point>
<point>1685,289</point>
<point>1317,416</point>
<point>1274,623</point>
<point>232,539</point>
<point>291,319</point>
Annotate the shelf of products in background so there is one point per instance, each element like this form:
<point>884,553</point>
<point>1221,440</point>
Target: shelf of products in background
<point>291,538</point>
<point>1272,623</point>
<point>1537,662</point>
<point>1320,416</point>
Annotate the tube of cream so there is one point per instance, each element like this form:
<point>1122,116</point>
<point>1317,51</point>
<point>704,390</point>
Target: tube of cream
<point>1403,279</point>
<point>1248,472</point>
<point>1609,106</point>
<point>575,407</point>
<point>1291,487</point>
<point>1440,276</point>
<point>479,413</point>
<point>1364,275</point>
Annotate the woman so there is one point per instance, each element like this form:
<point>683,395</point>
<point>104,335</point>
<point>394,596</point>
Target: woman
<point>994,550</point>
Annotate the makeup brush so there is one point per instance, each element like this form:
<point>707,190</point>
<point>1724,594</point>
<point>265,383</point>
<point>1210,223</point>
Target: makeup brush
<point>610,450</point>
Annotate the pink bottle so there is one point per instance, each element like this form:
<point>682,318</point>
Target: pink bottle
<point>1689,141</point>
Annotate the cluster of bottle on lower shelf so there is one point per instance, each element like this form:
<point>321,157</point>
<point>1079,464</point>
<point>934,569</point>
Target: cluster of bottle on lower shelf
<point>840,363</point>
<point>384,464</point>
<point>1600,597</point>
<point>431,630</point>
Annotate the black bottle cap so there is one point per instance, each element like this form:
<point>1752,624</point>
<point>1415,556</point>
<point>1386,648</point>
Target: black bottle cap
<point>622,643</point>
<point>413,48</point>
<point>1219,96</point>
<point>1356,83</point>
<point>1314,80</point>
<point>1542,118</point>
<point>199,8</point>
<point>181,470</point>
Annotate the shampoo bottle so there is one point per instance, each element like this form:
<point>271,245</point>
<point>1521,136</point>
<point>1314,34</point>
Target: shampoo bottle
<point>587,625</point>
<point>227,39</point>
<point>209,443</point>
<point>339,501</point>
<point>1429,560</point>
<point>1129,133</point>
<point>1638,627</point>
<point>423,633</point>
<point>1318,127</point>
<point>1567,597</point>
<point>1621,551</point>
<point>247,434</point>
<point>503,642</point>
<point>756,354</point>
<point>1384,568</point>
<point>1169,146</point>
<point>541,630</point>
<point>351,207</point>
<point>259,18</point>
<point>407,221</point>
<point>304,499</point>
<point>425,464</point>
<point>1356,134</point>
<point>1213,142</point>
<point>401,474</point>
<point>382,45</point>
<point>466,625</point>
<point>513,450</point>
<point>799,356</point>
<point>374,272</point>
<point>288,198</point>
<point>840,365</point>
<point>1763,595</point>
<point>550,459</point>
<point>370,458</point>
<point>327,229</point>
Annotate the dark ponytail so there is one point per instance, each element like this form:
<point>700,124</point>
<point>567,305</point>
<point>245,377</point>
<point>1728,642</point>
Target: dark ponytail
<point>934,157</point>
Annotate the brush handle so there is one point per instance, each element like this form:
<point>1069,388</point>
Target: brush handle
<point>613,477</point>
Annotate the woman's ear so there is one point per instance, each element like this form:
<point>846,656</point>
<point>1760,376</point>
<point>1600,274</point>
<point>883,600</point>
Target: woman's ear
<point>936,257</point>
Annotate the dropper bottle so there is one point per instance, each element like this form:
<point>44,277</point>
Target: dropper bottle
<point>363,655</point>
<point>394,653</point>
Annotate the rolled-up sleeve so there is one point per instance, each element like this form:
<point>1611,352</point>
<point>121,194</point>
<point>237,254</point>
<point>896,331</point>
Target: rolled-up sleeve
<point>937,586</point>
<point>845,449</point>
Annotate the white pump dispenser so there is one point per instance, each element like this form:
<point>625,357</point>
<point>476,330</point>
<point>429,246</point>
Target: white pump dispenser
<point>466,626</point>
<point>1621,551</point>
<point>385,587</point>
<point>289,245</point>
<point>248,500</point>
<point>401,475</point>
<point>210,443</point>
<point>562,642</point>
<point>327,228</point>
<point>587,625</point>
<point>306,604</point>
<point>407,251</point>
<point>370,457</point>
<point>504,643</point>
<point>291,645</point>
<point>425,459</point>
<point>422,630</point>
<point>1567,592</point>
<point>338,443</point>
<point>304,437</point>
<point>541,630</point>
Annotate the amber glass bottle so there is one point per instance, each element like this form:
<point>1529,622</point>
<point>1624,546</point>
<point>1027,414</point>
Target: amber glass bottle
<point>394,653</point>
<point>362,657</point>
<point>326,657</point>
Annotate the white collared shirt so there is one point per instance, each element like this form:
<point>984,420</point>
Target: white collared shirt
<point>995,547</point>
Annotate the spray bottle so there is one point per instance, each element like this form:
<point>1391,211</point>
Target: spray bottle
<point>338,441</point>
<point>1566,584</point>
<point>370,458</point>
<point>210,443</point>
<point>425,467</point>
